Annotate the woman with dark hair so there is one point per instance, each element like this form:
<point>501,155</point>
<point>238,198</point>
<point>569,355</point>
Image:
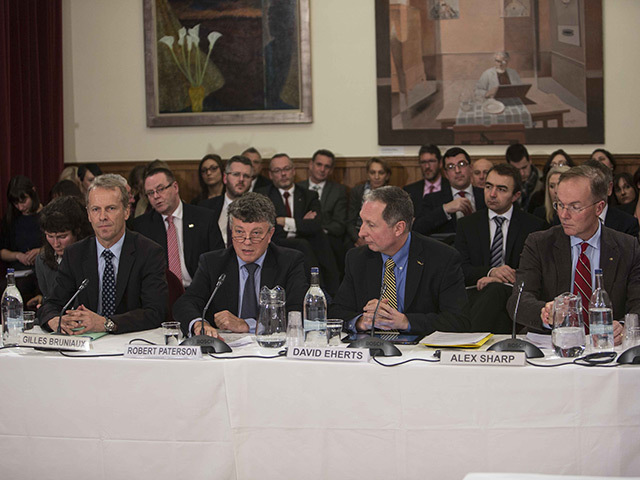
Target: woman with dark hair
<point>558,158</point>
<point>210,178</point>
<point>604,156</point>
<point>65,188</point>
<point>625,189</point>
<point>86,174</point>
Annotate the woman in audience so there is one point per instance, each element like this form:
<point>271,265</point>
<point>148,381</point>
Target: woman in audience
<point>547,211</point>
<point>210,177</point>
<point>558,158</point>
<point>70,173</point>
<point>63,222</point>
<point>625,189</point>
<point>378,175</point>
<point>86,174</point>
<point>64,188</point>
<point>136,182</point>
<point>604,156</point>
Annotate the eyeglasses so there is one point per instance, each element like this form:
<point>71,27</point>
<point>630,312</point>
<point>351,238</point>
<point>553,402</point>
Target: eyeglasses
<point>255,236</point>
<point>558,164</point>
<point>239,174</point>
<point>572,209</point>
<point>278,171</point>
<point>160,190</point>
<point>461,164</point>
<point>211,169</point>
<point>433,161</point>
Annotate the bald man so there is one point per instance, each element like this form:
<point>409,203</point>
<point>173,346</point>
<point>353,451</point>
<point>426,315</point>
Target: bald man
<point>479,171</point>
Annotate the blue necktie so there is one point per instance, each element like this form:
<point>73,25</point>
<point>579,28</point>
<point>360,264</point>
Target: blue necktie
<point>108,285</point>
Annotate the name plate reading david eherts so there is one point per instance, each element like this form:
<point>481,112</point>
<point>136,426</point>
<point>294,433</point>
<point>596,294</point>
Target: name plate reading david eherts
<point>55,342</point>
<point>330,354</point>
<point>166,352</point>
<point>511,359</point>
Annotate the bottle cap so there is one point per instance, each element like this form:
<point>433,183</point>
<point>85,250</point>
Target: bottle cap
<point>598,271</point>
<point>10,270</point>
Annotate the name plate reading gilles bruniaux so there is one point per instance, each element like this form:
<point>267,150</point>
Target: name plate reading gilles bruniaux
<point>166,352</point>
<point>511,359</point>
<point>55,342</point>
<point>329,354</point>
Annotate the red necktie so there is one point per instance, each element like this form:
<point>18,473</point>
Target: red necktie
<point>286,196</point>
<point>172,249</point>
<point>463,194</point>
<point>582,283</point>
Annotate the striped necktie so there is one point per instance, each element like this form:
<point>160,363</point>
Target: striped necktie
<point>496,246</point>
<point>173,252</point>
<point>582,283</point>
<point>390,281</point>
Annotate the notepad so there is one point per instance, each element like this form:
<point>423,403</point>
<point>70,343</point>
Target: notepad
<point>456,340</point>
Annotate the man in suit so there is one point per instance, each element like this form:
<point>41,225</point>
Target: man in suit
<point>490,242</point>
<point>564,258</point>
<point>333,201</point>
<point>518,156</point>
<point>479,171</point>
<point>259,180</point>
<point>425,285</point>
<point>250,263</point>
<point>183,231</point>
<point>299,220</point>
<point>430,161</point>
<point>127,287</point>
<point>441,210</point>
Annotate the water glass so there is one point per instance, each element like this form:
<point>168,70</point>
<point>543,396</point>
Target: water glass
<point>568,337</point>
<point>29,319</point>
<point>334,331</point>
<point>631,331</point>
<point>171,332</point>
<point>295,332</point>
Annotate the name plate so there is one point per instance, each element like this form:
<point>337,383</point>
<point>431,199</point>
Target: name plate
<point>167,352</point>
<point>329,354</point>
<point>55,342</point>
<point>511,359</point>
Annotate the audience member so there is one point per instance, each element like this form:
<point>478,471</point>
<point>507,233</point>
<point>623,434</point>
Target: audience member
<point>136,183</point>
<point>626,191</point>
<point>479,171</point>
<point>70,173</point>
<point>604,156</point>
<point>430,162</point>
<point>518,156</point>
<point>86,174</point>
<point>209,177</point>
<point>65,188</point>
<point>259,180</point>
<point>546,211</point>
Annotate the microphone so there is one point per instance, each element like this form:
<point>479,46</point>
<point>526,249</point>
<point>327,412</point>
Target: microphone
<point>82,286</point>
<point>206,343</point>
<point>383,289</point>
<point>514,344</point>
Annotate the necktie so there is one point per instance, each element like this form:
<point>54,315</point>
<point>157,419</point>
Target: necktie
<point>108,285</point>
<point>582,283</point>
<point>286,196</point>
<point>390,282</point>
<point>316,188</point>
<point>249,301</point>
<point>461,194</point>
<point>431,189</point>
<point>496,246</point>
<point>173,251</point>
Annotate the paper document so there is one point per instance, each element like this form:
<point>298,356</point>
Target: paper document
<point>456,340</point>
<point>540,340</point>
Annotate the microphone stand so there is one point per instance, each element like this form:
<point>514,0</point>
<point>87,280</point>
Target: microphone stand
<point>206,343</point>
<point>377,346</point>
<point>82,286</point>
<point>514,344</point>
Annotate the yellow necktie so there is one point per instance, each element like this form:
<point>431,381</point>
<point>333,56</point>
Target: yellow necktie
<point>390,281</point>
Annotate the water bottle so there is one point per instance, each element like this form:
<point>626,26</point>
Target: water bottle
<point>315,313</point>
<point>11,311</point>
<point>600,317</point>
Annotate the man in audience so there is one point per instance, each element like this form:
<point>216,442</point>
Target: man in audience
<point>424,282</point>
<point>564,258</point>
<point>127,288</point>
<point>333,201</point>
<point>183,231</point>
<point>441,210</point>
<point>259,180</point>
<point>299,220</point>
<point>430,161</point>
<point>518,156</point>
<point>490,242</point>
<point>250,263</point>
<point>479,171</point>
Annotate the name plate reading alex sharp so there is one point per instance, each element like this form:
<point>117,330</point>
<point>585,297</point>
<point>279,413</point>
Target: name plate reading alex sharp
<point>329,354</point>
<point>511,359</point>
<point>55,342</point>
<point>167,352</point>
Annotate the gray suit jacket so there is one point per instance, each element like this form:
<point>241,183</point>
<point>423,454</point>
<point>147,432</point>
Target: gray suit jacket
<point>334,207</point>
<point>545,267</point>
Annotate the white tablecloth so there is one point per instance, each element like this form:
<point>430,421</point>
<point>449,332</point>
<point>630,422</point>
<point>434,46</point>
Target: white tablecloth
<point>119,418</point>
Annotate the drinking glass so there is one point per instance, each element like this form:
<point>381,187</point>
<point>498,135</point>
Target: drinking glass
<point>295,332</point>
<point>631,331</point>
<point>334,331</point>
<point>568,337</point>
<point>171,332</point>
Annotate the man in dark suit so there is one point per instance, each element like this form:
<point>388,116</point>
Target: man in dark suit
<point>299,220</point>
<point>441,210</point>
<point>259,180</point>
<point>425,285</point>
<point>564,258</point>
<point>430,161</point>
<point>250,263</point>
<point>490,242</point>
<point>183,231</point>
<point>127,287</point>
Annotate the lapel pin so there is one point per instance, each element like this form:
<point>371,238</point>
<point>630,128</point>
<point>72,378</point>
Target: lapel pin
<point>191,225</point>
<point>611,259</point>
<point>419,262</point>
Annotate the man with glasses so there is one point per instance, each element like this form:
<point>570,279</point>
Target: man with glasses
<point>565,257</point>
<point>250,263</point>
<point>184,231</point>
<point>430,162</point>
<point>441,210</point>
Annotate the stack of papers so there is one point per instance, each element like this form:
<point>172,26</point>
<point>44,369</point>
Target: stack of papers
<point>456,340</point>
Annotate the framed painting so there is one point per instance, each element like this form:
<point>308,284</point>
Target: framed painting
<point>219,62</point>
<point>483,72</point>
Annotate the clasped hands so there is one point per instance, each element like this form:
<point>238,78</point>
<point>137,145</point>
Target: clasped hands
<point>78,322</point>
<point>502,274</point>
<point>387,318</point>
<point>225,320</point>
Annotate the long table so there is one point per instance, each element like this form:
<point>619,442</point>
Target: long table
<point>120,418</point>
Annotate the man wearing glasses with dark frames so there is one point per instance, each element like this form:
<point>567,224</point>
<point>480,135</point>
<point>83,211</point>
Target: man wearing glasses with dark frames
<point>556,260</point>
<point>250,263</point>
<point>430,162</point>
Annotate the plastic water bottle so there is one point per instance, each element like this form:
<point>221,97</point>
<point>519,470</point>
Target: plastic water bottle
<point>11,311</point>
<point>315,312</point>
<point>600,317</point>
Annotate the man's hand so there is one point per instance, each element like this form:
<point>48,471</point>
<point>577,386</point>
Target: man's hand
<point>32,254</point>
<point>280,221</point>
<point>459,204</point>
<point>208,329</point>
<point>67,324</point>
<point>618,332</point>
<point>545,314</point>
<point>86,320</point>
<point>504,274</point>
<point>484,281</point>
<point>225,320</point>
<point>35,302</point>
<point>388,318</point>
<point>310,215</point>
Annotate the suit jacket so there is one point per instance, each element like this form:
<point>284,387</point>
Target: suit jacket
<point>472,241</point>
<point>621,221</point>
<point>433,219</point>
<point>334,207</point>
<point>353,217</point>
<point>215,204</point>
<point>200,232</point>
<point>282,266</point>
<point>262,182</point>
<point>545,267</point>
<point>434,290</point>
<point>416,192</point>
<point>141,285</point>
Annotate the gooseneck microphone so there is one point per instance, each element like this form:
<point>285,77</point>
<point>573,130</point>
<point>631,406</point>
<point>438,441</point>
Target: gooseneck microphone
<point>205,342</point>
<point>383,290</point>
<point>82,286</point>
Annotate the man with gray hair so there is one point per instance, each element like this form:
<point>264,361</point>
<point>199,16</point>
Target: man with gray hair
<point>423,277</point>
<point>250,262</point>
<point>565,257</point>
<point>488,83</point>
<point>127,287</point>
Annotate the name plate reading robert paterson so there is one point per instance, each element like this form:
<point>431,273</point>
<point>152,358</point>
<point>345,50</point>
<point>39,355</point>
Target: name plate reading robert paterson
<point>167,352</point>
<point>55,342</point>
<point>331,354</point>
<point>511,359</point>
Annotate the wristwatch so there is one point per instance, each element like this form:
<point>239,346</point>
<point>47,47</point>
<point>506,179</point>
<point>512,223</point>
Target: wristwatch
<point>109,325</point>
